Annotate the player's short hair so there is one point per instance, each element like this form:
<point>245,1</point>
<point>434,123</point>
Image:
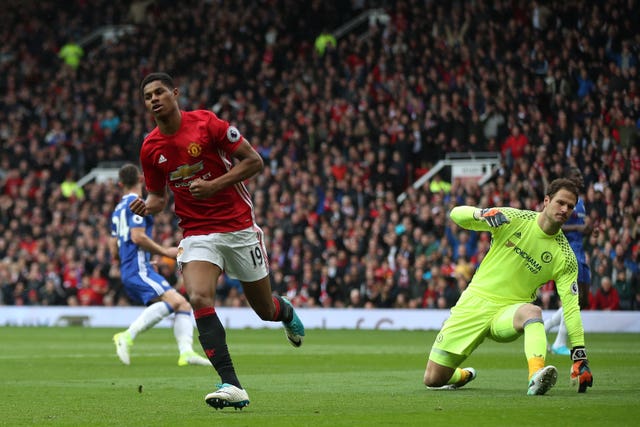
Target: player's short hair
<point>562,184</point>
<point>129,175</point>
<point>164,78</point>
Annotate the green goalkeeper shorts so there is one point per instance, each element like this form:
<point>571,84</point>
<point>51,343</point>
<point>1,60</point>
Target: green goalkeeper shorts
<point>472,320</point>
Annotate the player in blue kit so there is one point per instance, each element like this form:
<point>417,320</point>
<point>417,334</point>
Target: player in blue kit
<point>575,230</point>
<point>131,243</point>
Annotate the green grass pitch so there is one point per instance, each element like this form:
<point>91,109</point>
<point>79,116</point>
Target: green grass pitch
<point>71,377</point>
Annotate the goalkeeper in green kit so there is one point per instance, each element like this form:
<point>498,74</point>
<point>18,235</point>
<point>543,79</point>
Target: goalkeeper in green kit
<point>527,250</point>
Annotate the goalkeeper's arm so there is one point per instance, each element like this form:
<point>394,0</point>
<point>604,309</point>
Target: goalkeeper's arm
<point>581,377</point>
<point>473,218</point>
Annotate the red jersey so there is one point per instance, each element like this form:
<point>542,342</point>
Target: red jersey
<point>201,148</point>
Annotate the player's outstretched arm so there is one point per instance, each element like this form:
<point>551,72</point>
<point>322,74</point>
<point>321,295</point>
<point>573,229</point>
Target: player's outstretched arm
<point>473,218</point>
<point>140,238</point>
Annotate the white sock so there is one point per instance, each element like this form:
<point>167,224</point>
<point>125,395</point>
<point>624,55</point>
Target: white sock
<point>553,321</point>
<point>149,317</point>
<point>561,338</point>
<point>183,331</point>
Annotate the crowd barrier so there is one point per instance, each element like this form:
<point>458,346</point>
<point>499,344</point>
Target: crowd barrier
<point>314,318</point>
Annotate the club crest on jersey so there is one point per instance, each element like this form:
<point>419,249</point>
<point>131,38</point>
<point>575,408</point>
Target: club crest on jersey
<point>186,171</point>
<point>546,257</point>
<point>194,149</point>
<point>233,134</point>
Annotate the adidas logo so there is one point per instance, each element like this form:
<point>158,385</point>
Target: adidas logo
<point>162,159</point>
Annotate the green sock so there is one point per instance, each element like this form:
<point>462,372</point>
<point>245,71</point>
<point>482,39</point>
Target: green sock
<point>457,375</point>
<point>535,344</point>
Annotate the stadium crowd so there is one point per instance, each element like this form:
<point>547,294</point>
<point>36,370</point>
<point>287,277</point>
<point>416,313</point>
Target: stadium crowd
<point>343,131</point>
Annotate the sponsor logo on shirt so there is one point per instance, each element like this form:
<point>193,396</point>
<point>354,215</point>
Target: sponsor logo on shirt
<point>533,265</point>
<point>186,171</point>
<point>162,159</point>
<point>511,241</point>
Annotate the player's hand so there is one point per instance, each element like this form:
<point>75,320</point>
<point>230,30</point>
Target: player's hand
<point>581,377</point>
<point>494,217</point>
<point>138,207</point>
<point>201,189</point>
<point>171,252</point>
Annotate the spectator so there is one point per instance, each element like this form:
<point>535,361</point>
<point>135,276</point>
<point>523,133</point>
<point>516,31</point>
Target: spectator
<point>355,299</point>
<point>51,293</point>
<point>606,298</point>
<point>514,146</point>
<point>70,188</point>
<point>439,185</point>
<point>447,292</point>
<point>71,53</point>
<point>585,84</point>
<point>364,99</point>
<point>325,40</point>
<point>622,280</point>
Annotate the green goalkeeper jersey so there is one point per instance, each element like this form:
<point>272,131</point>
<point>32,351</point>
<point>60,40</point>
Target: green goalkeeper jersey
<point>522,258</point>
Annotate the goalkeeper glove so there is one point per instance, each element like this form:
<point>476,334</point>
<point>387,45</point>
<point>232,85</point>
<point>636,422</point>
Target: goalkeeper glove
<point>493,217</point>
<point>581,377</point>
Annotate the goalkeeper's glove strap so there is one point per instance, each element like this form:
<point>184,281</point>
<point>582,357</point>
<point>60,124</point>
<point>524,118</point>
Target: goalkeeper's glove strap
<point>578,353</point>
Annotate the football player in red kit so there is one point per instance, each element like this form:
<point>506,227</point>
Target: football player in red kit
<point>204,162</point>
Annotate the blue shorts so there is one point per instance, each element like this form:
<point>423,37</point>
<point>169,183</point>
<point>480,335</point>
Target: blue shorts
<point>145,287</point>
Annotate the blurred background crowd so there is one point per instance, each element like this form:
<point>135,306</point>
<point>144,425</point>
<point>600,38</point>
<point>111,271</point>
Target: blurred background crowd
<point>345,122</point>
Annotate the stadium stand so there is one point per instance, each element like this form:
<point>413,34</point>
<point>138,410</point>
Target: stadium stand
<point>543,85</point>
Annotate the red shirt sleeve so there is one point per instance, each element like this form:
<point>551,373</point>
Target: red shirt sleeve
<point>154,177</point>
<point>226,137</point>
